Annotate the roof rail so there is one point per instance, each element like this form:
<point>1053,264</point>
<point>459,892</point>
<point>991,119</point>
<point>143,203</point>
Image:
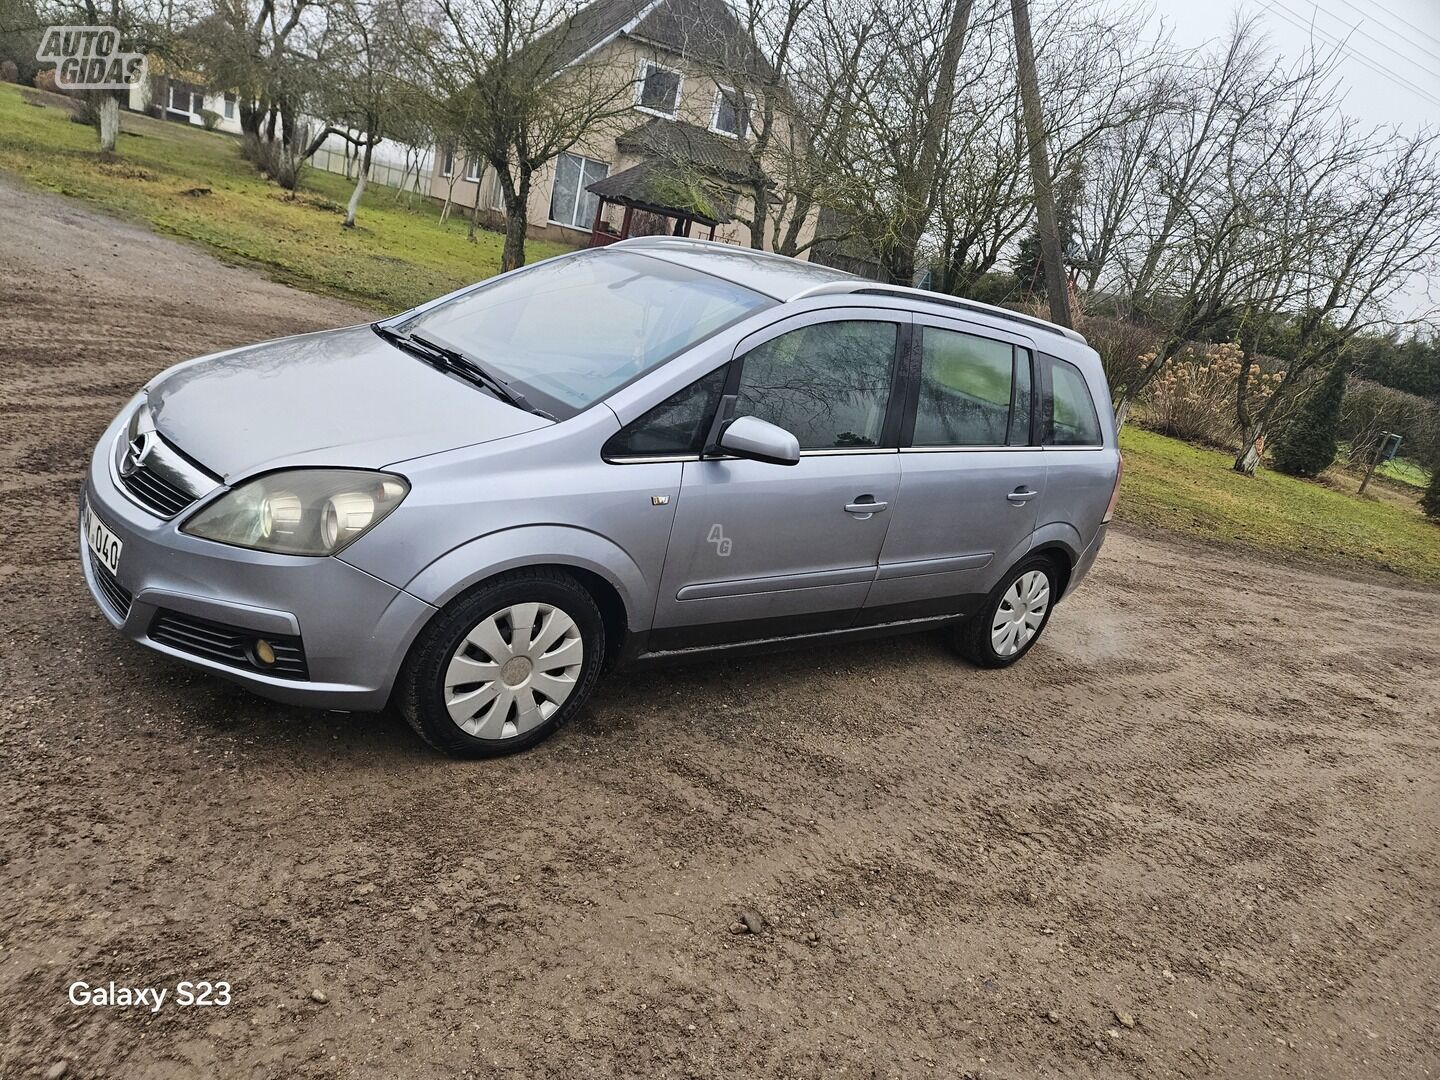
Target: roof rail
<point>873,288</point>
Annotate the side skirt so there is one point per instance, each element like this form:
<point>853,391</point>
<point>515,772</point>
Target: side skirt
<point>641,655</point>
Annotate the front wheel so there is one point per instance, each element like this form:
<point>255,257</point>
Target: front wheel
<point>1012,618</point>
<point>504,666</point>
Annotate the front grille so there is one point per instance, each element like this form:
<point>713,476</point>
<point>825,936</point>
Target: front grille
<point>154,492</point>
<point>228,644</point>
<point>116,595</point>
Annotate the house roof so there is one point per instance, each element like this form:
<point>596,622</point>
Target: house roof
<point>677,141</point>
<point>662,189</point>
<point>704,30</point>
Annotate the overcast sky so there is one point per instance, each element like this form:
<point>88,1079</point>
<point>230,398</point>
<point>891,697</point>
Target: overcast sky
<point>1390,70</point>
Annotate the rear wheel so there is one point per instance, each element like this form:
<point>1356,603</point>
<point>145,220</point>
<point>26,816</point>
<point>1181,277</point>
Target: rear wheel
<point>1013,617</point>
<point>504,666</point>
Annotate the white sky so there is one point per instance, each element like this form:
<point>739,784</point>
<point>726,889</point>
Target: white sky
<point>1390,71</point>
<point>1391,66</point>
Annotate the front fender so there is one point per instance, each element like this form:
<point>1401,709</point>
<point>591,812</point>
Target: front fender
<point>535,545</point>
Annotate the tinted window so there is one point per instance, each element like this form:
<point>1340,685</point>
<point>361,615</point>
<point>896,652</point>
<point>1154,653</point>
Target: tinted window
<point>678,425</point>
<point>966,383</point>
<point>569,331</point>
<point>827,384</point>
<point>1020,413</point>
<point>1074,420</point>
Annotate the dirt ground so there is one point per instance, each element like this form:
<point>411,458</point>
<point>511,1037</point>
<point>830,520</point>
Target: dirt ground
<point>1193,834</point>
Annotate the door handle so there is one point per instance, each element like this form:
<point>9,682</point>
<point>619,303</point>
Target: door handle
<point>1021,495</point>
<point>865,506</point>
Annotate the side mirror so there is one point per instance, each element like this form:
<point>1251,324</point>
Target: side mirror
<point>759,440</point>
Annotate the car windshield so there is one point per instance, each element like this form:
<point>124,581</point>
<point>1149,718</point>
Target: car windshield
<point>570,331</point>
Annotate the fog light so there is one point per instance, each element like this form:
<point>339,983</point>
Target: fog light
<point>264,652</point>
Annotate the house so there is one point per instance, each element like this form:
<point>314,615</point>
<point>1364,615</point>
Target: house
<point>675,163</point>
<point>179,95</point>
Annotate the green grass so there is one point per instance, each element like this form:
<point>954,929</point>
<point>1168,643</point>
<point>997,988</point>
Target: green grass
<point>1405,472</point>
<point>399,255</point>
<point>1186,489</point>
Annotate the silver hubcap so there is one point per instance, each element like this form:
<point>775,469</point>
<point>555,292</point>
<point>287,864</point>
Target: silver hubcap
<point>1021,611</point>
<point>513,670</point>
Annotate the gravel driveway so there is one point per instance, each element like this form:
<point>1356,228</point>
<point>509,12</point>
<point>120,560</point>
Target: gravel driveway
<point>1194,833</point>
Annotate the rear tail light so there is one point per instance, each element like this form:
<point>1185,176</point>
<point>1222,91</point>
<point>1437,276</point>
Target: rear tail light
<point>1115,495</point>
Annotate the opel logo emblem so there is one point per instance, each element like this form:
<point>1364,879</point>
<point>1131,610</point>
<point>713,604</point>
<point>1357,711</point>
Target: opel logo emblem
<point>140,449</point>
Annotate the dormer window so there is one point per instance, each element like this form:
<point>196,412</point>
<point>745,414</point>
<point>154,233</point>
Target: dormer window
<point>659,90</point>
<point>732,112</point>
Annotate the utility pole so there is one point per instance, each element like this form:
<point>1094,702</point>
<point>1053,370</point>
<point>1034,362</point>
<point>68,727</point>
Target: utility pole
<point>1057,288</point>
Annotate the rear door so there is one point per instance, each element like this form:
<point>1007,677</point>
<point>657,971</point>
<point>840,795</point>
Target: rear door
<point>760,550</point>
<point>972,474</point>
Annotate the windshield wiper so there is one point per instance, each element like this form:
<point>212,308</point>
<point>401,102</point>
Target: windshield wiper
<point>468,368</point>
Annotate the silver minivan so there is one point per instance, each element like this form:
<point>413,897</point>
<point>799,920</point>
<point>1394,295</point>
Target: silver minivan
<point>654,449</point>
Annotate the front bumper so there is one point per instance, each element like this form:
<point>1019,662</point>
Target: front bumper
<point>355,628</point>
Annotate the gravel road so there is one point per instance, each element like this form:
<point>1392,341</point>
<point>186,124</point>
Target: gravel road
<point>1194,834</point>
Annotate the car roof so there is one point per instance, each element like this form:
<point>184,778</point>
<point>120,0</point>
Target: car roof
<point>786,279</point>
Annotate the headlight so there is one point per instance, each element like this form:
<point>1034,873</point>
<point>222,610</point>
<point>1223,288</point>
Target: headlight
<point>300,512</point>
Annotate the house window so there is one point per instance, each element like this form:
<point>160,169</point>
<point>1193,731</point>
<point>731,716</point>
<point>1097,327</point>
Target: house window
<point>472,169</point>
<point>229,106</point>
<point>447,162</point>
<point>180,98</point>
<point>570,203</point>
<point>732,112</point>
<point>659,90</point>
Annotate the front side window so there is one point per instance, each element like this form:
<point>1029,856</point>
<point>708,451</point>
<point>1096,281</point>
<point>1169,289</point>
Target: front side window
<point>732,112</point>
<point>677,426</point>
<point>966,386</point>
<point>1073,418</point>
<point>570,331</point>
<point>828,384</point>
<point>570,203</point>
<point>659,90</point>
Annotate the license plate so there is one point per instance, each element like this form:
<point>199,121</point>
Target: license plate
<point>104,544</point>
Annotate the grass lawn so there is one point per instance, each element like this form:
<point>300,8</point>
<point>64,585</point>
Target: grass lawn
<point>1405,472</point>
<point>399,255</point>
<point>1177,486</point>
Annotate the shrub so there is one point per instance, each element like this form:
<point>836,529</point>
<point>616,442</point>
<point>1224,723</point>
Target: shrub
<point>1125,348</point>
<point>1430,501</point>
<point>1194,397</point>
<point>210,118</point>
<point>1306,445</point>
<point>1370,408</point>
<point>9,71</point>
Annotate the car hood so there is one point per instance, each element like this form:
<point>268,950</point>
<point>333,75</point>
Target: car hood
<point>339,397</point>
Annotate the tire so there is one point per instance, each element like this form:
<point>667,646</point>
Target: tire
<point>981,640</point>
<point>465,665</point>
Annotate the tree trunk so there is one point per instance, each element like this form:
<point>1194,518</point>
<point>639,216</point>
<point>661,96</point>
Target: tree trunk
<point>349,222</point>
<point>1252,444</point>
<point>1122,411</point>
<point>1056,285</point>
<point>513,256</point>
<point>109,123</point>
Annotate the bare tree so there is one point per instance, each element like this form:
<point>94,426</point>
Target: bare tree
<point>523,91</point>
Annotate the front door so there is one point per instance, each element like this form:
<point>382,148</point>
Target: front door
<point>971,474</point>
<point>760,550</point>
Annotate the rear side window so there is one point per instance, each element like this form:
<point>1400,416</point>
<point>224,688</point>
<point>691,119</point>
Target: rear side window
<point>1073,419</point>
<point>677,426</point>
<point>828,384</point>
<point>967,385</point>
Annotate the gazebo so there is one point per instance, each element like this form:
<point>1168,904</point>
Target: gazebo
<point>656,188</point>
